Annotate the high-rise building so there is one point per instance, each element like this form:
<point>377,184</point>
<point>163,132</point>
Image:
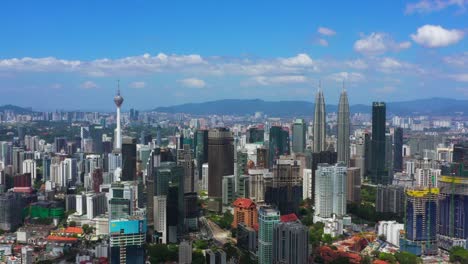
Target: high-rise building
<point>255,135</point>
<point>328,157</point>
<point>245,211</point>
<point>129,159</point>
<point>299,136</point>
<point>160,219</point>
<point>353,189</point>
<point>319,123</point>
<point>278,143</point>
<point>185,159</point>
<point>11,207</point>
<point>452,221</point>
<point>390,199</point>
<point>285,190</point>
<point>343,129</point>
<point>29,166</point>
<point>127,227</point>
<point>398,149</point>
<point>307,184</point>
<point>229,192</point>
<point>258,179</point>
<point>185,252</point>
<point>267,219</point>
<point>421,221</point>
<point>220,159</point>
<point>290,243</point>
<point>379,174</point>
<point>118,100</point>
<point>330,190</point>
<point>201,150</point>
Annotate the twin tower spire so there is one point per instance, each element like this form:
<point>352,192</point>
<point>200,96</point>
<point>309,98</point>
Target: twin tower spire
<point>343,125</point>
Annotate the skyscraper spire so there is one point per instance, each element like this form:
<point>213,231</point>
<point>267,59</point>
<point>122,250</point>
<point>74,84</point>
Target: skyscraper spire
<point>343,128</point>
<point>118,100</point>
<point>319,122</point>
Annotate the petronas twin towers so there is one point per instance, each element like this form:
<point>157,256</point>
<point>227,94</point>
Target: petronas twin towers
<point>342,144</point>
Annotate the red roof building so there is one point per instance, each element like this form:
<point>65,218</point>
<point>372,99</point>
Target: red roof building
<point>289,218</point>
<point>245,211</point>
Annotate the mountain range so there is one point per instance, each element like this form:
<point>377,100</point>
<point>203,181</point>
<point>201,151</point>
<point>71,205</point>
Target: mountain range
<point>15,109</point>
<point>431,106</point>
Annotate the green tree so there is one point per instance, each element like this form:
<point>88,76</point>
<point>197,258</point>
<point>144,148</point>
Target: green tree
<point>387,257</point>
<point>404,257</point>
<point>459,254</point>
<point>198,257</point>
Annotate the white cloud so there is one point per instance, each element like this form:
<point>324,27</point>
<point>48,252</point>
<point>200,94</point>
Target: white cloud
<point>193,83</point>
<point>357,64</point>
<point>434,36</point>
<point>105,67</point>
<point>461,77</point>
<point>301,60</point>
<point>459,60</point>
<point>161,63</point>
<point>391,65</point>
<point>429,6</point>
<point>138,85</point>
<point>89,85</point>
<point>276,80</point>
<point>379,43</point>
<point>323,42</point>
<point>346,76</point>
<point>326,31</point>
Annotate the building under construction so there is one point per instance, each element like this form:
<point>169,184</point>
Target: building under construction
<point>421,221</point>
<point>453,211</point>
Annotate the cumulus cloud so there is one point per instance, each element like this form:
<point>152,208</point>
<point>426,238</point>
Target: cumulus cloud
<point>434,36</point>
<point>193,83</point>
<point>89,85</point>
<point>346,76</point>
<point>276,80</point>
<point>104,67</point>
<point>326,31</point>
<point>429,6</point>
<point>137,85</point>
<point>379,43</point>
<point>301,60</point>
<point>148,64</point>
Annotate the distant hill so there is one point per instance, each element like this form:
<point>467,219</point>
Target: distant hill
<point>431,106</point>
<point>15,109</point>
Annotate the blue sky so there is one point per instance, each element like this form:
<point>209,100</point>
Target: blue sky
<point>69,54</point>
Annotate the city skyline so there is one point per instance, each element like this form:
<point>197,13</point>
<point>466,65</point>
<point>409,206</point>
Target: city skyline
<point>167,58</point>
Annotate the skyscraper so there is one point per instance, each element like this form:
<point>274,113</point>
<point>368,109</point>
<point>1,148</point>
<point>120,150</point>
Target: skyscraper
<point>129,159</point>
<point>330,190</point>
<point>285,190</point>
<point>378,170</point>
<point>278,143</point>
<point>398,149</point>
<point>290,243</point>
<point>220,159</point>
<point>267,219</point>
<point>319,123</point>
<point>299,136</point>
<point>343,129</point>
<point>118,100</point>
